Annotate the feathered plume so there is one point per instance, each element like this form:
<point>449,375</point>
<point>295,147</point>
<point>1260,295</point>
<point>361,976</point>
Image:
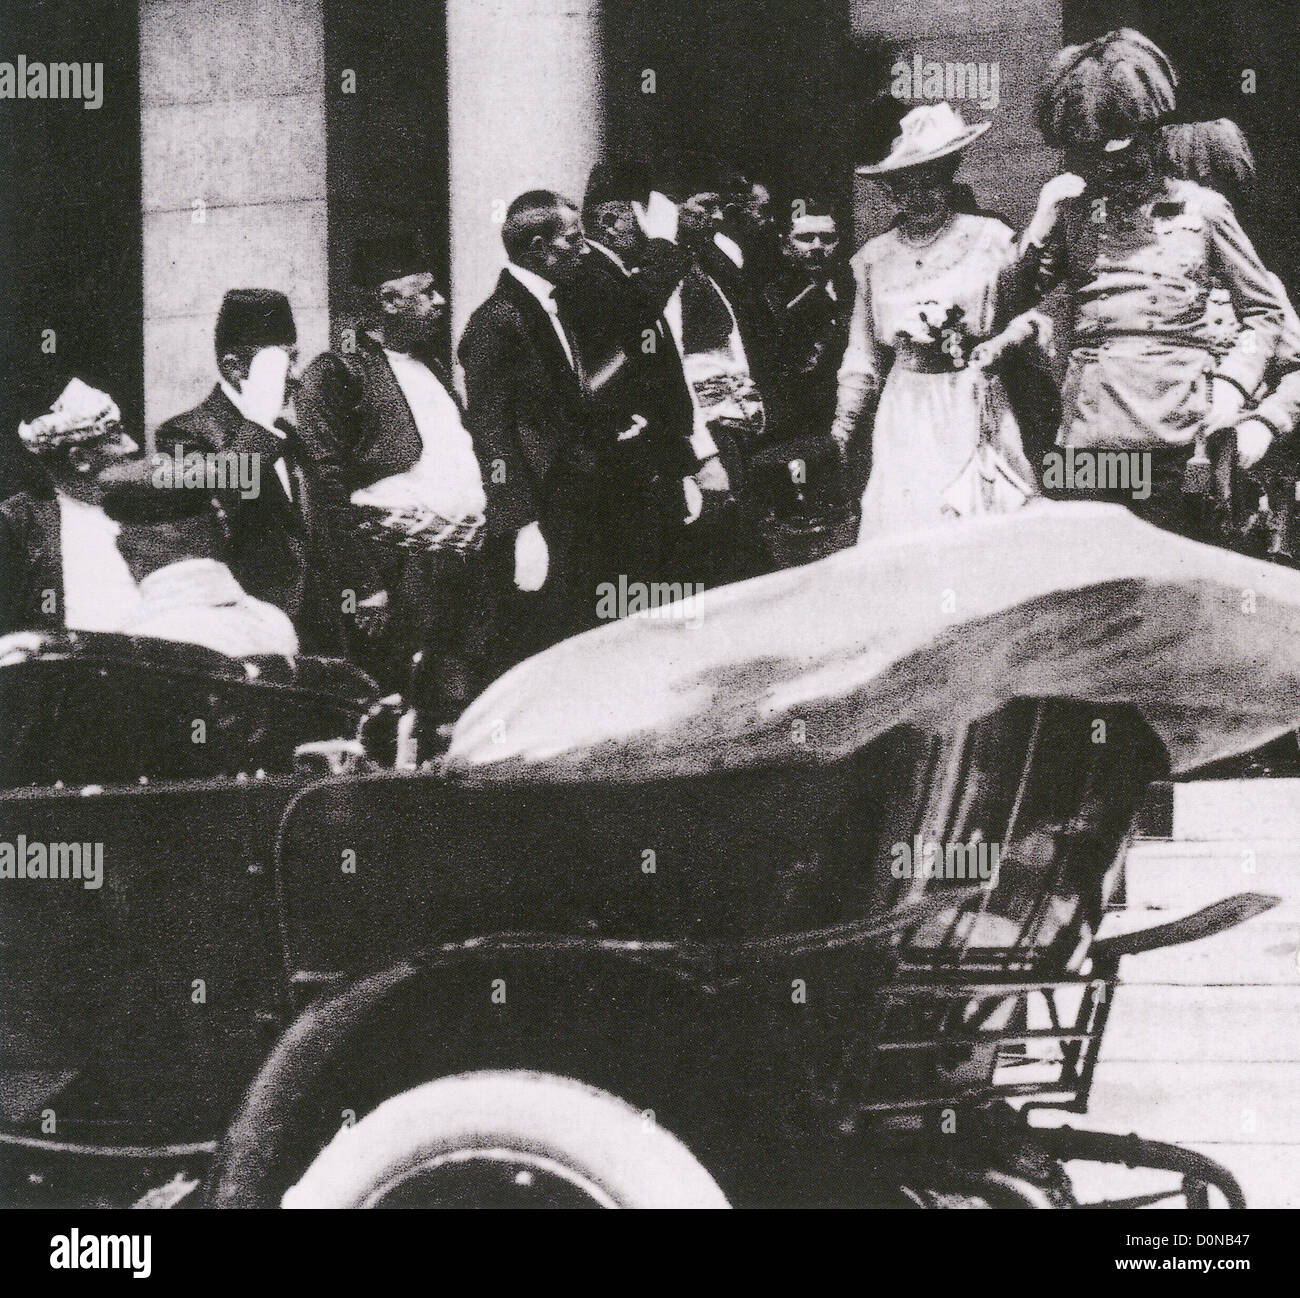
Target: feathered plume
<point>1214,154</point>
<point>1105,89</point>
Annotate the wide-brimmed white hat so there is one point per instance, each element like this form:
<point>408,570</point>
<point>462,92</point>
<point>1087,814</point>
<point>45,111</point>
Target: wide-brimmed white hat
<point>928,132</point>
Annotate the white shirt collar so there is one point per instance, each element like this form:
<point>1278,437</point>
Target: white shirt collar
<point>611,254</point>
<point>86,510</point>
<point>731,248</point>
<point>542,289</point>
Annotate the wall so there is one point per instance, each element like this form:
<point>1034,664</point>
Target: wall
<point>1008,165</point>
<point>764,84</point>
<point>387,130</point>
<point>69,222</point>
<point>525,112</point>
<point>233,159</point>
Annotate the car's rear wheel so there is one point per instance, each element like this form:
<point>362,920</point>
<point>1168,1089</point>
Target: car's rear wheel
<point>505,1139</point>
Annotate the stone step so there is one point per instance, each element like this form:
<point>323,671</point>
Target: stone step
<point>1202,1047</point>
<point>1165,879</point>
<point>1181,1024</point>
<point>1224,809</point>
<point>1178,875</point>
<point>1261,952</point>
<point>1210,1102</point>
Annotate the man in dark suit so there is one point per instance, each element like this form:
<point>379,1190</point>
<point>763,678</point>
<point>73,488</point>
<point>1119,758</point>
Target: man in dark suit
<point>280,551</point>
<point>811,299</point>
<point>636,382</point>
<point>545,465</point>
<point>378,406</point>
<point>803,479</point>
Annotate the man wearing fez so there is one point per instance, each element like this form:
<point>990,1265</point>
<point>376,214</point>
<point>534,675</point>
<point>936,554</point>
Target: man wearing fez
<point>723,329</point>
<point>280,550</point>
<point>58,548</point>
<point>615,310</point>
<point>535,436</point>
<point>379,406</point>
<point>173,542</point>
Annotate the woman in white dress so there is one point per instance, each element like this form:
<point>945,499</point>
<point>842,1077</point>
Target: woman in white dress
<point>927,295</point>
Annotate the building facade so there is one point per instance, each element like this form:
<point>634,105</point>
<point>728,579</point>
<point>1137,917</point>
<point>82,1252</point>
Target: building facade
<point>249,142</point>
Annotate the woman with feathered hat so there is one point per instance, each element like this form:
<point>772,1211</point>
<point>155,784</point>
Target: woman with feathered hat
<point>1140,253</point>
<point>927,293</point>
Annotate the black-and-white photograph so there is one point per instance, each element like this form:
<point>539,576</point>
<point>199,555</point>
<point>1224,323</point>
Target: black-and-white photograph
<point>649,604</point>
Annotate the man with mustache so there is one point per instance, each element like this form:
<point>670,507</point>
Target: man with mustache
<point>544,460</point>
<point>374,409</point>
<point>57,545</point>
<point>636,384</point>
<point>279,550</point>
<point>1140,253</point>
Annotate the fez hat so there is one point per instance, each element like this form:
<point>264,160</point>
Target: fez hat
<point>928,132</point>
<point>256,318</point>
<point>616,180</point>
<point>391,255</point>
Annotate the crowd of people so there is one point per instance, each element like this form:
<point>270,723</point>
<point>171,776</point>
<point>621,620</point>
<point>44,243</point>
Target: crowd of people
<point>669,380</point>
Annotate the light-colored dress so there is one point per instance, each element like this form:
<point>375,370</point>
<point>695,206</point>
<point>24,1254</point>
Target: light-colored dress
<point>918,312</point>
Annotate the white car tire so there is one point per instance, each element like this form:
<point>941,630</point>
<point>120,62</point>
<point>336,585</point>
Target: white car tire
<point>621,1157</point>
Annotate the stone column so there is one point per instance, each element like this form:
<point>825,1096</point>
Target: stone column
<point>233,153</point>
<point>524,111</point>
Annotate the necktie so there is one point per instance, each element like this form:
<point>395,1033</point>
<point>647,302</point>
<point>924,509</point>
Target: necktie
<point>570,342</point>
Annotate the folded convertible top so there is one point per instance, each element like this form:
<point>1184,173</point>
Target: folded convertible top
<point>931,629</point>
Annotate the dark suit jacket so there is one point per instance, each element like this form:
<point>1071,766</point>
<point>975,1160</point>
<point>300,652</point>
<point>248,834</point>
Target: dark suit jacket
<point>355,425</point>
<point>280,550</point>
<point>631,364</point>
<point>547,457</point>
<point>31,563</point>
<point>811,334</point>
<point>526,412</point>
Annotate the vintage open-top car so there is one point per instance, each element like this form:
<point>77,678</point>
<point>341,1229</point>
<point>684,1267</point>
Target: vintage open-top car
<point>792,898</point>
